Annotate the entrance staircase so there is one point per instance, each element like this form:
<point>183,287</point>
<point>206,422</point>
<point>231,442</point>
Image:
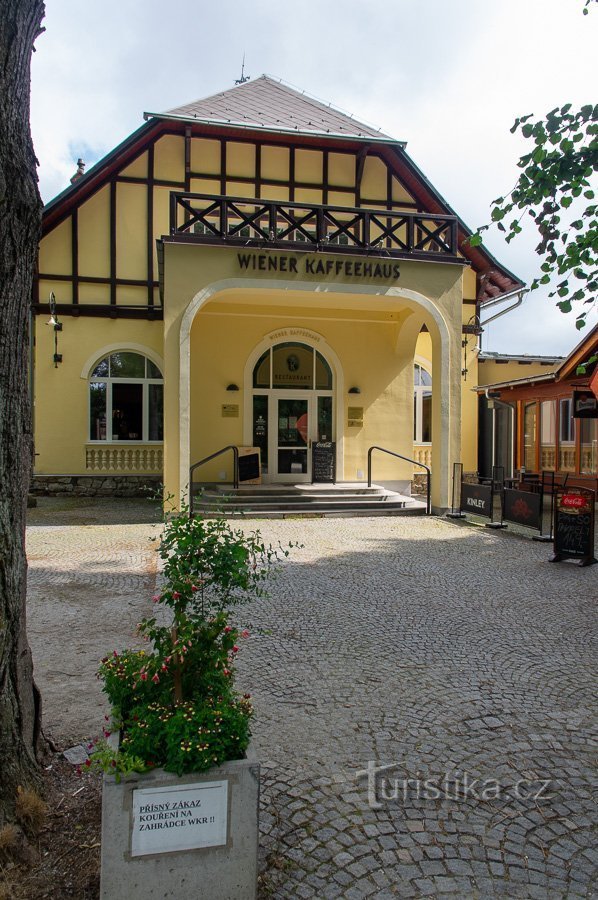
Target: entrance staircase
<point>282,501</point>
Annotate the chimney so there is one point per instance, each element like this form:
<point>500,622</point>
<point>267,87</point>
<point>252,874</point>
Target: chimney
<point>80,171</point>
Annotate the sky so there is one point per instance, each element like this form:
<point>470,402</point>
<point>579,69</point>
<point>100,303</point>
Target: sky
<point>448,78</point>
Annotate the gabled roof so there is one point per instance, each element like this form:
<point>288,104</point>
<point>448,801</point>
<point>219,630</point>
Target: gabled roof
<point>269,104</point>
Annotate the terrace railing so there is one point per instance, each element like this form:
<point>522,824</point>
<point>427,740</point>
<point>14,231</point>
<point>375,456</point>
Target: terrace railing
<point>239,221</point>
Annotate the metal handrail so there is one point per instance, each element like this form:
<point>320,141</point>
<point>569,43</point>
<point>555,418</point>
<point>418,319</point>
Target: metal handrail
<point>406,459</point>
<point>209,459</point>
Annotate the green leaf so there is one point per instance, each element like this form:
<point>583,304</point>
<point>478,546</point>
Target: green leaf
<point>475,240</point>
<point>564,306</point>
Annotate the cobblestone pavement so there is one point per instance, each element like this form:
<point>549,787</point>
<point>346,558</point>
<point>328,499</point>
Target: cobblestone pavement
<point>456,657</point>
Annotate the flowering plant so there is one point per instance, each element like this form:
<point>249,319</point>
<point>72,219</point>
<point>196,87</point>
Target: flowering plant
<point>175,703</point>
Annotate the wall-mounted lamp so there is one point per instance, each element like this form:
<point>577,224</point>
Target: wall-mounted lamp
<point>355,390</point>
<point>57,326</point>
<point>233,387</point>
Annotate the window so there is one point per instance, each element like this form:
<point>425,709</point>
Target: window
<point>422,405</point>
<point>294,366</point>
<point>530,437</point>
<point>548,435</point>
<point>566,436</point>
<point>126,399</point>
<point>589,446</point>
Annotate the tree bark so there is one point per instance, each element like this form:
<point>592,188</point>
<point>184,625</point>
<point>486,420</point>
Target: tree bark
<point>20,217</point>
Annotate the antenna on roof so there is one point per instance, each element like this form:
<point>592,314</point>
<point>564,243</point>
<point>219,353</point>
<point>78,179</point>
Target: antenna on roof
<point>243,77</point>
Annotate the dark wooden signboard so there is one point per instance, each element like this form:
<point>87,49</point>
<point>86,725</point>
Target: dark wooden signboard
<point>585,405</point>
<point>574,525</point>
<point>476,499</point>
<point>523,508</point>
<point>249,467</point>
<point>323,461</point>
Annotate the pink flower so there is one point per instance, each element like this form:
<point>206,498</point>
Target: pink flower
<point>175,595</point>
<point>156,678</point>
<point>115,654</point>
<point>156,598</point>
<point>143,676</point>
<point>245,633</point>
<point>226,671</point>
<point>164,668</point>
<point>235,649</point>
<point>227,629</point>
<point>88,763</point>
<point>194,588</point>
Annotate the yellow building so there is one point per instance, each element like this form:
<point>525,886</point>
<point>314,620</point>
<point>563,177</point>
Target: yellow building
<point>256,269</point>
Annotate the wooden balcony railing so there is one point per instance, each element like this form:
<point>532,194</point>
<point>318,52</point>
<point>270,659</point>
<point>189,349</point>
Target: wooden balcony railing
<point>238,221</point>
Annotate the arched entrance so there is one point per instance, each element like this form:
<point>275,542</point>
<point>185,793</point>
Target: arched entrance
<point>292,405</point>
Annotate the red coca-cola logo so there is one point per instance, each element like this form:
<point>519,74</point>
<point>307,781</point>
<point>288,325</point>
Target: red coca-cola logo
<point>573,501</point>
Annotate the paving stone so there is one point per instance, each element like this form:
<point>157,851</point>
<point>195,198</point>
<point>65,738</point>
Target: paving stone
<point>435,648</point>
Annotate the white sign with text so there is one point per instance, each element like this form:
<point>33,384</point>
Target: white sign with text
<point>167,819</point>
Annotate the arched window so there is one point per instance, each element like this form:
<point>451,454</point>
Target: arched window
<point>292,366</point>
<point>422,405</point>
<point>126,399</point>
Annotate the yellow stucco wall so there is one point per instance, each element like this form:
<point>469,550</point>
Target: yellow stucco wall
<point>491,372</point>
<point>61,411</point>
<point>377,355</point>
<point>208,176</point>
<point>372,328</point>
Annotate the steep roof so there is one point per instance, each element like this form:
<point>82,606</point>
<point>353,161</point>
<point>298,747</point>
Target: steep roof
<point>269,104</point>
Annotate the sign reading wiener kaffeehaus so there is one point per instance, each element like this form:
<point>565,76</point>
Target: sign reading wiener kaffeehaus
<point>317,265</point>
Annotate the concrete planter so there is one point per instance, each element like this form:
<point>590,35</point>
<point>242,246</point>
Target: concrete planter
<point>195,836</point>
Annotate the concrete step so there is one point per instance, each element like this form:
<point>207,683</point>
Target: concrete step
<point>301,513</point>
<point>295,499</point>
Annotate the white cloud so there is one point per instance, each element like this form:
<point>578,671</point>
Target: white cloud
<point>447,77</point>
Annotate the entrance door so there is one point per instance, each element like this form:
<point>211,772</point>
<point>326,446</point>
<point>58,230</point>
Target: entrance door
<point>292,407</point>
<point>292,435</point>
<point>295,420</point>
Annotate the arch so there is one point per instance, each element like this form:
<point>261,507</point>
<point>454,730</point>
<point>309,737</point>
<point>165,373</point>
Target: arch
<point>125,405</point>
<point>414,300</point>
<point>122,347</point>
<point>317,342</point>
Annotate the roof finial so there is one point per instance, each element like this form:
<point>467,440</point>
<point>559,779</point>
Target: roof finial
<point>243,77</point>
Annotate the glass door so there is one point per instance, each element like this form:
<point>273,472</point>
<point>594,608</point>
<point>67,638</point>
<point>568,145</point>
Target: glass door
<point>292,438</point>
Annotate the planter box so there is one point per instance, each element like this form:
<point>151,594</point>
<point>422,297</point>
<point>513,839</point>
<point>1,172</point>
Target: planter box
<point>195,836</point>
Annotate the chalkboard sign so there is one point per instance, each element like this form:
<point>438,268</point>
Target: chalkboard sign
<point>574,525</point>
<point>249,467</point>
<point>523,508</point>
<point>323,461</point>
<point>476,499</point>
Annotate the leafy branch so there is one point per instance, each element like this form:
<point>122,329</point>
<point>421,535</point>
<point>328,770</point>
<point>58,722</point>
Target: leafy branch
<point>556,175</point>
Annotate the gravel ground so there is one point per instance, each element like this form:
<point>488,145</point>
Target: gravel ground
<point>440,651</point>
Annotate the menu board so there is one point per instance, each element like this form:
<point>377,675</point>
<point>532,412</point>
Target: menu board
<point>574,525</point>
<point>323,461</point>
<point>249,465</point>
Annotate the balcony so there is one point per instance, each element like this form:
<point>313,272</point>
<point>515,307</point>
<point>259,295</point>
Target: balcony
<point>243,222</point>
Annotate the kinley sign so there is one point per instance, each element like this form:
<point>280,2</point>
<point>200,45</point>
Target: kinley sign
<point>316,265</point>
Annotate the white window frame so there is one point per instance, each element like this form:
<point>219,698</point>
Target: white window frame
<point>418,394</point>
<point>108,381</point>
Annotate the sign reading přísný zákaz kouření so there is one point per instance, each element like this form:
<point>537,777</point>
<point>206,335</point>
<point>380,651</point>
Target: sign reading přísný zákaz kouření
<point>186,817</point>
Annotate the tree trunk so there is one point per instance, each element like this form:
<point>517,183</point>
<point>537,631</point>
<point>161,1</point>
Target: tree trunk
<point>20,215</point>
